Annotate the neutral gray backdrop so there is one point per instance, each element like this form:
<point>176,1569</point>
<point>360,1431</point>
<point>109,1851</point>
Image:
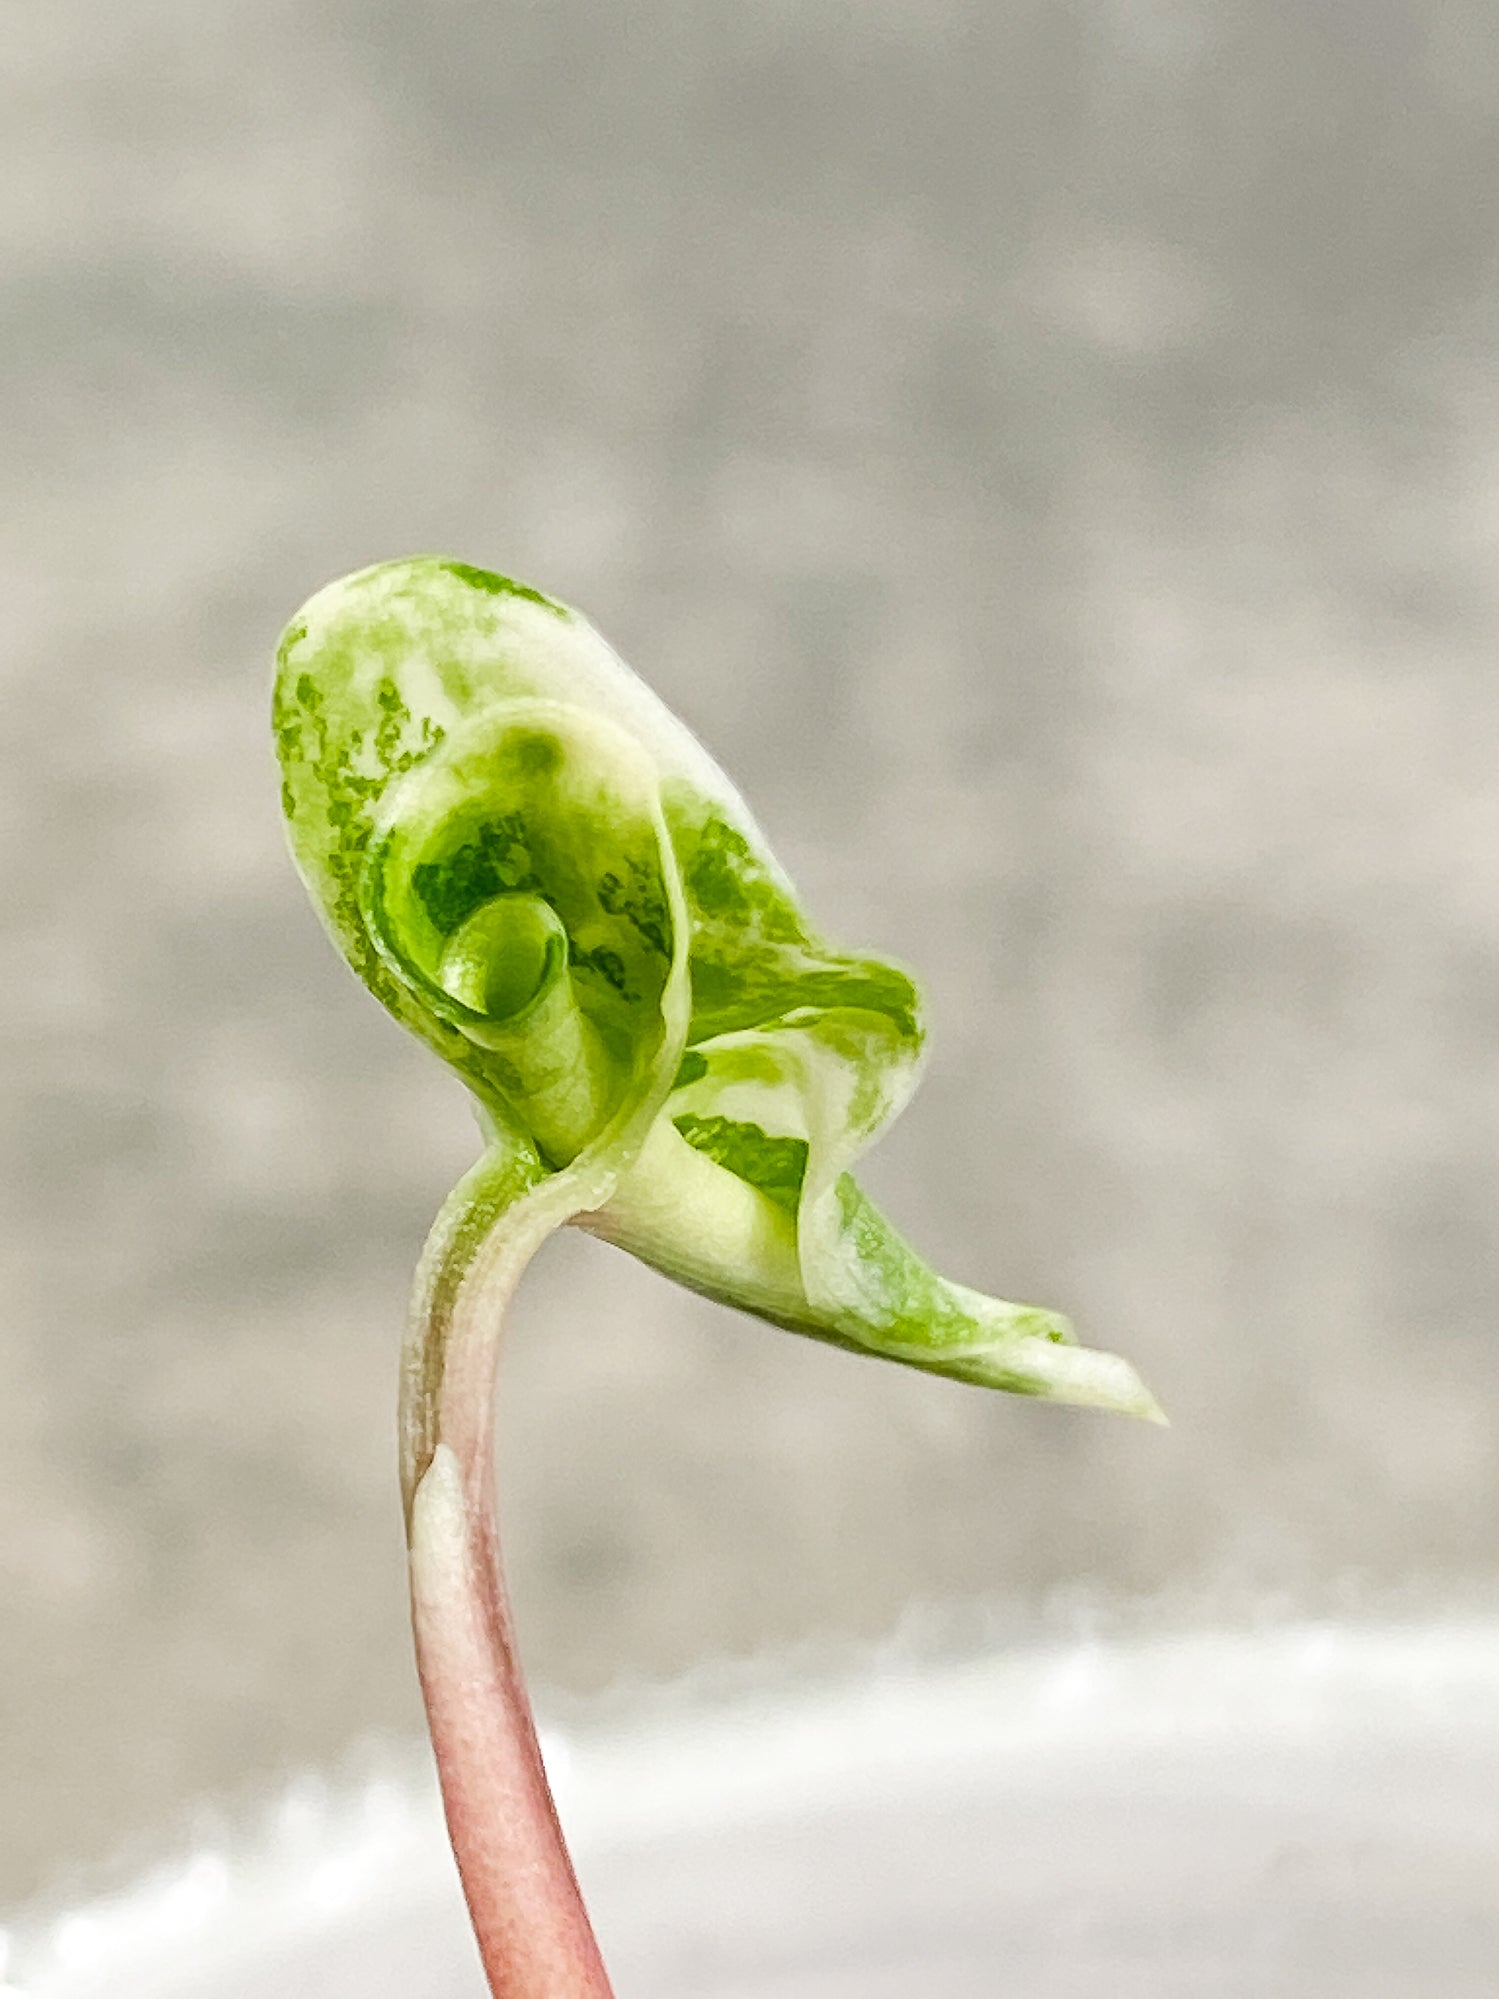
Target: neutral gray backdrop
<point>1051,454</point>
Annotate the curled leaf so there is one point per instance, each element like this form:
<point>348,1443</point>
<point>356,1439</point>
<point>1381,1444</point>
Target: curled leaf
<point>539,871</point>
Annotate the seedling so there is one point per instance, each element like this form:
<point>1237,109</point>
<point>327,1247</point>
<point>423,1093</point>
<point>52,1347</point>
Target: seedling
<point>538,870</point>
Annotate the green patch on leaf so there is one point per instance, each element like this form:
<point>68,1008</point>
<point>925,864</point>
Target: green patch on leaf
<point>496,861</point>
<point>756,988</point>
<point>639,900</point>
<point>495,585</point>
<point>727,884</point>
<point>777,1166</point>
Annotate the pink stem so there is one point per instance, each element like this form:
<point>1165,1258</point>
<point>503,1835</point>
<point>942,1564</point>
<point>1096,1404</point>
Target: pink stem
<point>533,1932</point>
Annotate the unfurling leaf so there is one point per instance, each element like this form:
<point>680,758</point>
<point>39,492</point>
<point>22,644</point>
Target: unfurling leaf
<point>538,870</point>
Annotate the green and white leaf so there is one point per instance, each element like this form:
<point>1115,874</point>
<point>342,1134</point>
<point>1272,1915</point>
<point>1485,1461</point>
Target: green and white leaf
<point>537,868</point>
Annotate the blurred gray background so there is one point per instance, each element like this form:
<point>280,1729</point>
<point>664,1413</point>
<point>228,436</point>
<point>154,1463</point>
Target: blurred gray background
<point>1051,454</point>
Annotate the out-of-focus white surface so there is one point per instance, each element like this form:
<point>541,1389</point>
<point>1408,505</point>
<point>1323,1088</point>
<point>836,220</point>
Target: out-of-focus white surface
<point>1307,1810</point>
